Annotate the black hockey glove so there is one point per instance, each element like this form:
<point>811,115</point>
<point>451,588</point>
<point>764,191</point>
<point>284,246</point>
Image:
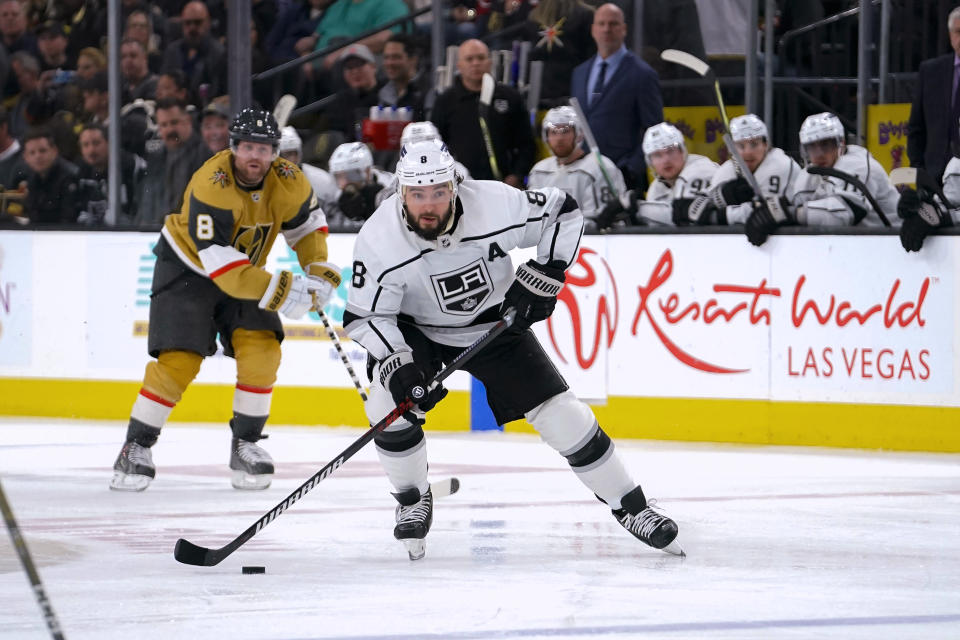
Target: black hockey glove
<point>534,293</point>
<point>920,218</point>
<point>614,211</point>
<point>733,192</point>
<point>404,379</point>
<point>359,203</point>
<point>766,217</point>
<point>700,210</point>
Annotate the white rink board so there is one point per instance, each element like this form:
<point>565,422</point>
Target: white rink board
<point>693,316</point>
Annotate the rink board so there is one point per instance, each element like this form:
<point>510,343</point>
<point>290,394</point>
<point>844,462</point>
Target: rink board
<point>815,340</point>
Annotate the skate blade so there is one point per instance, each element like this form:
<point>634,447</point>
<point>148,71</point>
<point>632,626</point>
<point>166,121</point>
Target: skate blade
<point>249,482</point>
<point>675,549</point>
<point>129,482</point>
<point>416,547</point>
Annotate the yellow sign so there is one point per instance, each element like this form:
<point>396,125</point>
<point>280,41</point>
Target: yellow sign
<point>887,134</point>
<point>702,128</point>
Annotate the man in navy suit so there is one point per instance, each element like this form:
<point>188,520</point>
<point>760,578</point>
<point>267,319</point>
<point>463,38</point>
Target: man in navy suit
<point>620,95</point>
<point>933,134</point>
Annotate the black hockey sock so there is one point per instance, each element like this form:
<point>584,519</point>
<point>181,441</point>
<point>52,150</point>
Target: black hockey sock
<point>142,433</point>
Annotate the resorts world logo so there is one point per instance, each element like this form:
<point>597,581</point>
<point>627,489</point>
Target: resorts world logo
<point>676,318</point>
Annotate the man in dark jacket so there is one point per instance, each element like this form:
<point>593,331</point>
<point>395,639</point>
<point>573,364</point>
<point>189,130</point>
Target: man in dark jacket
<point>933,133</point>
<point>92,184</point>
<point>457,116</point>
<point>51,181</point>
<point>201,58</point>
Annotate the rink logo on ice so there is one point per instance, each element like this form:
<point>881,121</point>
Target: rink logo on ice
<point>463,291</point>
<point>590,295</point>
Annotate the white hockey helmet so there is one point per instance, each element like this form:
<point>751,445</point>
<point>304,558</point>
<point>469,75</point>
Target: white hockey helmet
<point>350,156</point>
<point>290,140</point>
<point>747,127</point>
<point>418,132</point>
<point>821,126</point>
<point>561,117</point>
<point>662,136</point>
<point>425,163</point>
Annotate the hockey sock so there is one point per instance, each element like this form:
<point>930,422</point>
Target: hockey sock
<point>403,455</point>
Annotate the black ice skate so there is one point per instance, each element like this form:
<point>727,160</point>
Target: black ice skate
<point>647,524</point>
<point>252,466</point>
<point>133,469</point>
<point>414,516</point>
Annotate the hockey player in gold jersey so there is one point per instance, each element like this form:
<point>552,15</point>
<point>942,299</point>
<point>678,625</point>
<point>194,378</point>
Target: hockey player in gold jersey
<point>209,279</point>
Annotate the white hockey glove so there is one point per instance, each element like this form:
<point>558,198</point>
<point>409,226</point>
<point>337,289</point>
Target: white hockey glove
<point>287,294</point>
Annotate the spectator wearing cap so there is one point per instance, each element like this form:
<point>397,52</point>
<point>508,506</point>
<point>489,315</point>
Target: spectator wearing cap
<point>138,82</point>
<point>406,86</point>
<point>352,104</point>
<point>51,181</point>
<point>347,19</point>
<point>52,45</point>
<point>92,178</point>
<point>197,54</point>
<point>215,124</point>
<point>171,161</point>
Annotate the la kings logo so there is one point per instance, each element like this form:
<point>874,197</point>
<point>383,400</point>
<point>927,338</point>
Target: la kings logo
<point>462,291</point>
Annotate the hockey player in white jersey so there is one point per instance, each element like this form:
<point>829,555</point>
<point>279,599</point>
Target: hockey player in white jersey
<point>571,169</point>
<point>818,200</point>
<point>324,186</point>
<point>362,186</point>
<point>431,274</point>
<point>426,130</point>
<point>924,212</point>
<point>731,200</point>
<point>679,176</point>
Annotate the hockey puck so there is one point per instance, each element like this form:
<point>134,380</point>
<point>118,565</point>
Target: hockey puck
<point>254,569</point>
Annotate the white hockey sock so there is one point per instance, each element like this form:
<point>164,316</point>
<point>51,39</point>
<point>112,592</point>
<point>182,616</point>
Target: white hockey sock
<point>252,401</point>
<point>406,469</point>
<point>151,409</point>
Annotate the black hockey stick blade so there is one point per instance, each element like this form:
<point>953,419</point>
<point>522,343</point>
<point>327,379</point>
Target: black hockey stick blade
<point>853,181</point>
<point>187,552</point>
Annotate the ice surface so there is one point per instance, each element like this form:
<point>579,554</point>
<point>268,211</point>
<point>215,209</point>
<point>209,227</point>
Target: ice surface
<point>781,543</point>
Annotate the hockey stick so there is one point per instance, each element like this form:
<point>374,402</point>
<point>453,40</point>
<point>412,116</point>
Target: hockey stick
<point>923,180</point>
<point>189,553</point>
<point>486,97</point>
<point>21,547</point>
<point>440,488</point>
<point>853,181</point>
<point>284,107</point>
<point>592,145</point>
<point>701,68</point>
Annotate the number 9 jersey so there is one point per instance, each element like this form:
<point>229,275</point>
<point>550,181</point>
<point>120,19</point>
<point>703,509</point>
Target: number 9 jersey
<point>225,231</point>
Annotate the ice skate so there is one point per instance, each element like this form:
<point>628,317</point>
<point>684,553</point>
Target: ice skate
<point>647,524</point>
<point>414,516</point>
<point>133,470</point>
<point>252,466</point>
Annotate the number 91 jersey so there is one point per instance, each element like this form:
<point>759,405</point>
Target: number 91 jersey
<point>451,288</point>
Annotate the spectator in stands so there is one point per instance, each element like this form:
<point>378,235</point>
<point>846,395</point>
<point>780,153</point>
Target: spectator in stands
<point>90,61</point>
<point>197,54</point>
<point>140,26</point>
<point>456,114</point>
<point>294,33</point>
<point>173,84</point>
<point>406,86</point>
<point>571,169</point>
<point>932,134</point>
<point>86,23</point>
<point>138,82</point>
<point>347,19</point>
<point>350,105</point>
<point>52,45</point>
<point>560,33</point>
<point>26,74</point>
<point>92,184</point>
<point>51,181</point>
<point>215,124</point>
<point>620,95</point>
<point>11,155</point>
<point>460,20</point>
<point>169,165</point>
<point>14,37</point>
